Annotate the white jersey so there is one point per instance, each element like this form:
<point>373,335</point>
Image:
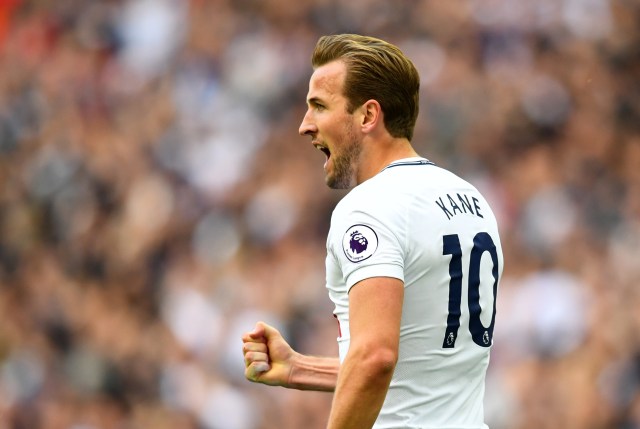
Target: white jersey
<point>435,232</point>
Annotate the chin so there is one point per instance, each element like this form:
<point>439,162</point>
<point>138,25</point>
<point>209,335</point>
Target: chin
<point>334,183</point>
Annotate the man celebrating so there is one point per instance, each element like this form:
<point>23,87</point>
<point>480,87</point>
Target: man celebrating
<point>413,258</point>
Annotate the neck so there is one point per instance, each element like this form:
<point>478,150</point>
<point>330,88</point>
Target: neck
<point>376,155</point>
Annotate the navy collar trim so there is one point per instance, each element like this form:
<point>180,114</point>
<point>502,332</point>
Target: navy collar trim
<point>422,161</point>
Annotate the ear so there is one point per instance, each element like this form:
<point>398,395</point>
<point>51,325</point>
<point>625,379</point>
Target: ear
<point>372,116</point>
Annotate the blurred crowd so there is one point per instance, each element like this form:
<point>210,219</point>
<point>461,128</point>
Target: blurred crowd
<point>156,201</point>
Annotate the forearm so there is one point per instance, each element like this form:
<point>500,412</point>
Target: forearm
<point>314,373</point>
<point>360,392</point>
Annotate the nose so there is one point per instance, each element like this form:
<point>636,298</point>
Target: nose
<point>307,127</point>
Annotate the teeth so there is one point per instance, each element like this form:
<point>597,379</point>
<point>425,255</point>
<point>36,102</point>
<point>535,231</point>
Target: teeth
<point>323,149</point>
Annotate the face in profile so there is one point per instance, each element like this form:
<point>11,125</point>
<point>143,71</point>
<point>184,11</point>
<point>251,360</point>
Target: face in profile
<point>331,127</point>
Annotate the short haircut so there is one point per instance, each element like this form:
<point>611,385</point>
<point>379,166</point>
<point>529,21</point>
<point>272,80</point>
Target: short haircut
<point>375,70</point>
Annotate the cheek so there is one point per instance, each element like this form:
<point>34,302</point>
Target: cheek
<point>330,129</point>
<point>342,127</point>
<point>336,130</point>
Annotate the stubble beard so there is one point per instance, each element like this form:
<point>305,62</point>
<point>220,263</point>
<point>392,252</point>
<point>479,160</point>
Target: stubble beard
<point>345,165</point>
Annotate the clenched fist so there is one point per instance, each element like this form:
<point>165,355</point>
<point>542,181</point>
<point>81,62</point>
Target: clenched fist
<point>267,356</point>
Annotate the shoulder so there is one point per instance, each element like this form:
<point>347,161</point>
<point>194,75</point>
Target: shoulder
<point>376,209</point>
<point>377,197</point>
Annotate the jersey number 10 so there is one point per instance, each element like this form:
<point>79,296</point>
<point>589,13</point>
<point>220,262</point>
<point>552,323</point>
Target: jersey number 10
<point>482,243</point>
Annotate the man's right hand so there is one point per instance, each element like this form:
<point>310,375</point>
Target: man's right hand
<point>267,356</point>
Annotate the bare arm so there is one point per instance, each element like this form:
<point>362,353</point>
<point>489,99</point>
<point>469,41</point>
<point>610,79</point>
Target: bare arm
<point>270,360</point>
<point>375,311</point>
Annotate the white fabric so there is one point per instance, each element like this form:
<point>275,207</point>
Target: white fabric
<point>403,213</point>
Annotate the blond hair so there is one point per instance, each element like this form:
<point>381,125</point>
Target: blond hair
<point>375,70</point>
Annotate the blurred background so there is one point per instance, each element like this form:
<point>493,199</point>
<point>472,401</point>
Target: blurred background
<point>156,201</point>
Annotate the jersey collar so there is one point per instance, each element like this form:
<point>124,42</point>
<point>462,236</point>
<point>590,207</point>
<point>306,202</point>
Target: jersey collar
<point>409,161</point>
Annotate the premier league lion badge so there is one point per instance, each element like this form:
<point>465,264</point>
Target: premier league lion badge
<point>359,243</point>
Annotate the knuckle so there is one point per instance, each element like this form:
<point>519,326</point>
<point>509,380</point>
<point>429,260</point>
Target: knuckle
<point>251,357</point>
<point>254,347</point>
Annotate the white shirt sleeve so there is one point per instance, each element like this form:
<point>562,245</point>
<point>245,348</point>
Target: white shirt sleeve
<point>369,242</point>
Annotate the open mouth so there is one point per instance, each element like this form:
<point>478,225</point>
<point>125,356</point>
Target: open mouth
<point>323,149</point>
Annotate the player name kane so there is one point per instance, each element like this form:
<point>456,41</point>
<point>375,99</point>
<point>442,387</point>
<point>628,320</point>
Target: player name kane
<point>459,204</point>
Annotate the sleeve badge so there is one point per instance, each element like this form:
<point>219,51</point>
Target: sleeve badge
<point>359,243</point>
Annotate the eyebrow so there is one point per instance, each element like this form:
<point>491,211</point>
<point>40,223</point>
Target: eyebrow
<point>314,101</point>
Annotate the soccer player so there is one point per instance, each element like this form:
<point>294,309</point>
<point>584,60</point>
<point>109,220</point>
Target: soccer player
<point>413,258</point>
